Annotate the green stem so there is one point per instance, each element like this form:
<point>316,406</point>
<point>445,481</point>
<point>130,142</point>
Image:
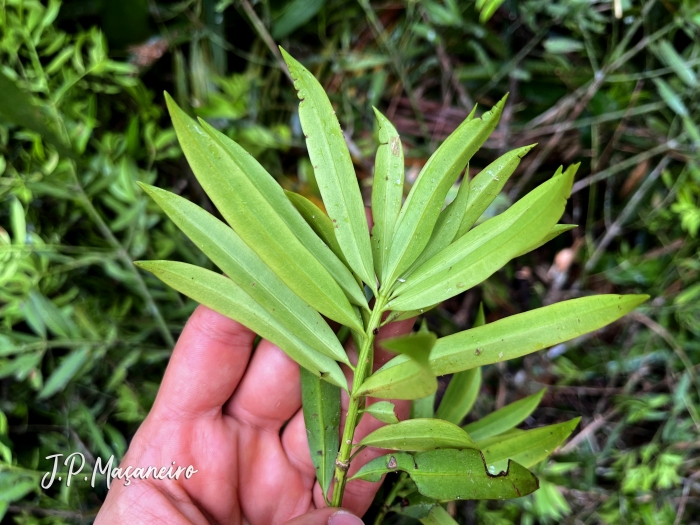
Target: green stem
<point>364,363</point>
<point>390,498</point>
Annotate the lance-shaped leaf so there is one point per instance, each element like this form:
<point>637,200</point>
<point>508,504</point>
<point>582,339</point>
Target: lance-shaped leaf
<point>245,268</point>
<point>416,345</point>
<point>474,257</point>
<point>464,387</point>
<point>424,203</point>
<point>387,191</point>
<point>318,220</point>
<point>446,226</point>
<point>320,402</point>
<point>486,186</point>
<point>257,209</point>
<point>451,474</point>
<point>527,448</point>
<point>514,336</point>
<point>222,295</point>
<point>556,231</point>
<point>384,411</point>
<point>505,418</point>
<point>408,381</point>
<point>416,435</point>
<point>438,516</point>
<point>334,171</point>
<point>402,316</point>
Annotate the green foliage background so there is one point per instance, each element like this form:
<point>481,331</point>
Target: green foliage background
<point>85,336</point>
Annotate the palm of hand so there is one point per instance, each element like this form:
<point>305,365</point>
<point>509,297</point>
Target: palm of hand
<point>223,412</point>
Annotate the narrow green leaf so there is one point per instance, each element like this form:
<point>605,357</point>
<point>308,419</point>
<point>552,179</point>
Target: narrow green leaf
<point>669,56</point>
<point>487,248</point>
<point>384,411</point>
<point>556,231</point>
<point>460,396</point>
<point>416,345</point>
<point>424,203</point>
<point>671,98</point>
<point>320,402</point>
<point>18,222</point>
<point>245,268</point>
<point>438,516</point>
<point>504,419</point>
<point>423,407</point>
<point>529,447</point>
<point>486,186</point>
<point>318,220</point>
<point>334,170</point>
<point>416,435</point>
<point>387,191</point>
<point>59,378</point>
<point>257,209</point>
<point>222,295</point>
<point>451,474</point>
<point>292,15</point>
<point>409,381</point>
<point>408,314</point>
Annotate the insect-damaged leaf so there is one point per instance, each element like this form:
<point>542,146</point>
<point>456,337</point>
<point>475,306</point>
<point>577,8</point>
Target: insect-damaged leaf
<point>419,435</point>
<point>257,209</point>
<point>424,203</point>
<point>416,345</point>
<point>409,381</point>
<point>334,171</point>
<point>527,447</point>
<point>222,295</point>
<point>384,411</point>
<point>244,267</point>
<point>387,191</point>
<point>321,407</point>
<point>484,250</point>
<point>450,474</point>
<point>505,418</point>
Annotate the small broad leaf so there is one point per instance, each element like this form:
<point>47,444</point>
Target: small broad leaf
<point>222,295</point>
<point>387,191</point>
<point>424,203</point>
<point>477,255</point>
<point>416,345</point>
<point>415,435</point>
<point>245,268</point>
<point>321,406</point>
<point>450,474</point>
<point>556,231</point>
<point>257,209</point>
<point>334,171</point>
<point>59,378</point>
<point>486,186</point>
<point>528,447</point>
<point>505,418</point>
<point>384,411</point>
<point>408,381</point>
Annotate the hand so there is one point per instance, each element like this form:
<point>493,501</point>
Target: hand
<point>221,408</point>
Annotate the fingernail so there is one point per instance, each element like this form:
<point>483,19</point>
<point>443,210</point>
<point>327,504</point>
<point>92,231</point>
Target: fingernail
<point>344,518</point>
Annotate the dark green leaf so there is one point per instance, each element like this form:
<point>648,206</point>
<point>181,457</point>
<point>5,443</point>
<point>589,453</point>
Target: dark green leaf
<point>293,15</point>
<point>70,365</point>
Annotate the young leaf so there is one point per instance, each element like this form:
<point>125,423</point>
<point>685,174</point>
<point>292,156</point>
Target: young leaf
<point>245,268</point>
<point>504,419</point>
<point>320,402</point>
<point>424,203</point>
<point>334,170</point>
<point>527,448</point>
<point>318,220</point>
<point>387,191</point>
<point>417,435</point>
<point>484,250</point>
<point>451,474</point>
<point>384,411</point>
<point>222,295</point>
<point>416,345</point>
<point>409,381</point>
<point>486,186</point>
<point>257,209</point>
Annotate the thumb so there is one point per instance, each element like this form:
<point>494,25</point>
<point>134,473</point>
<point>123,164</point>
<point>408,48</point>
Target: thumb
<point>326,516</point>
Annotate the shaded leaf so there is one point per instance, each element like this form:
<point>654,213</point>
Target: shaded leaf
<point>417,435</point>
<point>59,378</point>
<point>438,516</point>
<point>669,56</point>
<point>460,396</point>
<point>293,15</point>
<point>505,418</point>
<point>408,381</point>
<point>416,345</point>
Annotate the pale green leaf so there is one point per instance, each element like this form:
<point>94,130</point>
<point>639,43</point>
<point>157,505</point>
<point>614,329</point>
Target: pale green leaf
<point>450,474</point>
<point>384,411</point>
<point>18,222</point>
<point>59,378</point>
<point>222,295</point>
<point>245,268</point>
<point>321,408</point>
<point>387,191</point>
<point>334,171</point>
<point>416,435</point>
<point>669,56</point>
<point>423,407</point>
<point>409,381</point>
<point>556,231</point>
<point>505,418</point>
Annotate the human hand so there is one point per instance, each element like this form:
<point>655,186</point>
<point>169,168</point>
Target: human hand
<point>221,408</point>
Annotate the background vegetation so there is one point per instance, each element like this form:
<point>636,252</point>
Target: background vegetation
<point>85,336</point>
